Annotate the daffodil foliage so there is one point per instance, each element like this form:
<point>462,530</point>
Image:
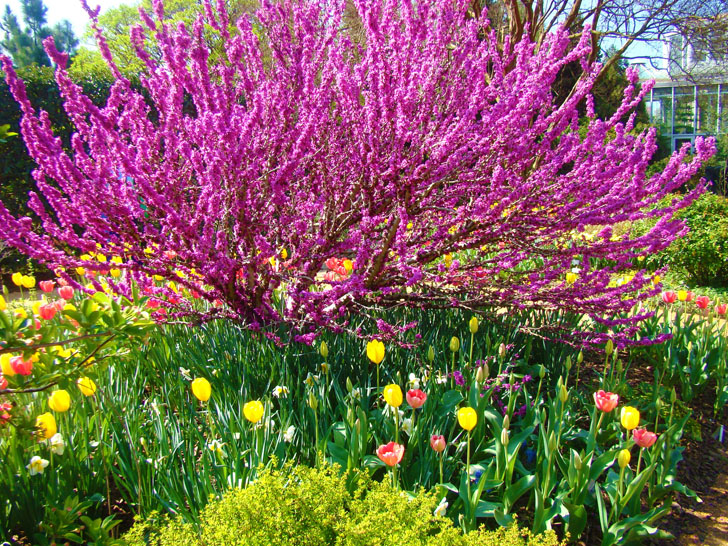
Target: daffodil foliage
<point>305,172</point>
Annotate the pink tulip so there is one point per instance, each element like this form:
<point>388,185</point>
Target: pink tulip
<point>47,311</point>
<point>669,297</point>
<point>390,453</point>
<point>721,309</point>
<point>66,292</point>
<point>47,286</point>
<point>20,366</point>
<point>3,382</point>
<point>438,443</point>
<point>606,401</point>
<point>644,438</point>
<point>702,302</point>
<point>416,398</point>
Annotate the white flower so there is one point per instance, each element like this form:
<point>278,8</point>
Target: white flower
<point>57,444</point>
<point>407,426</point>
<point>36,465</point>
<point>185,373</point>
<point>280,391</point>
<point>441,508</point>
<point>441,379</point>
<point>356,394</point>
<point>216,446</point>
<point>288,434</point>
<point>414,381</point>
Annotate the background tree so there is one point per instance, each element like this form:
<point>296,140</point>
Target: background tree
<point>25,45</point>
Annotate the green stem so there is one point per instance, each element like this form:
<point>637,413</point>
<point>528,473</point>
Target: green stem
<point>442,456</point>
<point>467,466</point>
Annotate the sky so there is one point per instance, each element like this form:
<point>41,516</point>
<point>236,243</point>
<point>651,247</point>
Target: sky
<point>67,9</point>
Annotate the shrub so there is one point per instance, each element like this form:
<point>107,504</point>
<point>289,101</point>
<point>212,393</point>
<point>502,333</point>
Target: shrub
<point>245,175</point>
<point>311,507</point>
<point>702,255</point>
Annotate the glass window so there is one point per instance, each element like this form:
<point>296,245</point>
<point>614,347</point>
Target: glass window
<point>707,118</point>
<point>724,109</point>
<point>662,109</point>
<point>684,110</point>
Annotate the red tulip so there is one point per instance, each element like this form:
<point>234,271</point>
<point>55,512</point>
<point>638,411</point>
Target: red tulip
<point>47,311</point>
<point>3,382</point>
<point>66,292</point>
<point>721,309</point>
<point>47,286</point>
<point>438,443</point>
<point>416,398</point>
<point>669,297</point>
<point>20,366</point>
<point>644,438</point>
<point>690,296</point>
<point>390,453</point>
<point>606,401</point>
<point>702,302</point>
<point>60,304</point>
<point>170,254</point>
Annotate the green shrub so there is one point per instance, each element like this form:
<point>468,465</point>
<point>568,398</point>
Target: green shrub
<point>305,506</point>
<point>702,255</point>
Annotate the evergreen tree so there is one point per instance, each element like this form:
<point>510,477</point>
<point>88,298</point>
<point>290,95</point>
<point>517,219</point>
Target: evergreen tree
<point>25,45</point>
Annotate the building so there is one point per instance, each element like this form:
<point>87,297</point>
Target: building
<point>690,96</point>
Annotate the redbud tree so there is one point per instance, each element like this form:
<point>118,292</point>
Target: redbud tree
<point>425,162</point>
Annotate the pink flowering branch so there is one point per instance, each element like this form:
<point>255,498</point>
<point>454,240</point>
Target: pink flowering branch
<point>428,140</point>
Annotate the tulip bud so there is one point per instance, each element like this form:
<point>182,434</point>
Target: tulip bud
<point>431,354</point>
<point>563,394</point>
<point>506,422</point>
<point>504,437</point>
<point>623,458</point>
<point>454,344</point>
<point>349,385</point>
<point>568,363</point>
<point>474,325</point>
<point>609,349</point>
<point>480,375</point>
<point>350,416</point>
<point>312,401</point>
<point>673,396</point>
<point>541,371</point>
<point>552,442</point>
<point>324,367</point>
<point>502,350</point>
<point>324,350</point>
<point>580,358</point>
<point>577,462</point>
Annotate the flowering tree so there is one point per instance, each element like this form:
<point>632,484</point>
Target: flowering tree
<point>302,176</point>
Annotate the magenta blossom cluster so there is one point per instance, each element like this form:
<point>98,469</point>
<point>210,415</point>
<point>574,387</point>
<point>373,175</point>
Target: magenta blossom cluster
<point>296,175</point>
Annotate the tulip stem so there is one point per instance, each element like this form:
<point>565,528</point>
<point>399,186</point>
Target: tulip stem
<point>467,466</point>
<point>472,341</point>
<point>442,456</point>
<point>396,424</point>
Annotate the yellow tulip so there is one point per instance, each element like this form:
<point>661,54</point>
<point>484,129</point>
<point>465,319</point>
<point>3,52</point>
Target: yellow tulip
<point>116,273</point>
<point>17,279</point>
<point>7,369</point>
<point>284,254</point>
<point>86,385</point>
<point>46,425</point>
<point>80,271</point>
<point>201,389</point>
<point>253,411</point>
<point>454,344</point>
<point>59,401</point>
<point>623,458</point>
<point>467,418</point>
<point>36,307</point>
<point>375,351</point>
<point>348,265</point>
<point>571,277</point>
<point>21,313</point>
<point>324,350</point>
<point>28,281</point>
<point>473,325</point>
<point>630,417</point>
<point>682,295</point>
<point>3,303</point>
<point>393,395</point>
